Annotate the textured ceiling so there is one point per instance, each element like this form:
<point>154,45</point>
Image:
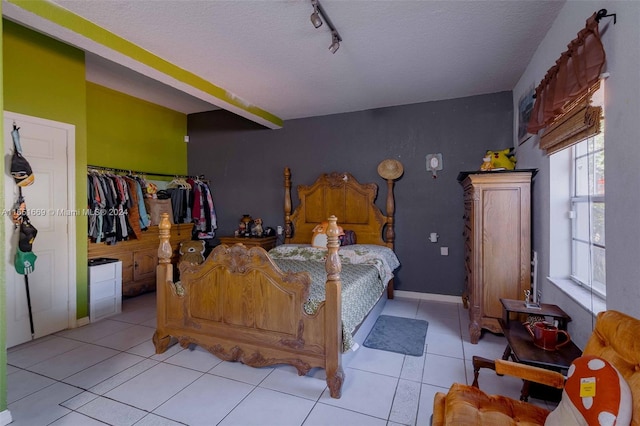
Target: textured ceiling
<point>269,54</point>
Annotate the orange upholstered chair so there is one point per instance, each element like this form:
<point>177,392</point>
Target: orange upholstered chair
<point>616,338</point>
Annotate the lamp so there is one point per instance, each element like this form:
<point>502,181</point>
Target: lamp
<point>317,17</point>
<point>335,45</point>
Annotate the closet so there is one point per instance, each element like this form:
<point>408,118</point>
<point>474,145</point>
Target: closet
<point>497,233</point>
<point>120,227</point>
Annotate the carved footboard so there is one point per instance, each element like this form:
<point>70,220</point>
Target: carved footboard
<point>241,307</point>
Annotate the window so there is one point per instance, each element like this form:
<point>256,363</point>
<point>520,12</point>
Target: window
<point>587,211</point>
<point>577,207</point>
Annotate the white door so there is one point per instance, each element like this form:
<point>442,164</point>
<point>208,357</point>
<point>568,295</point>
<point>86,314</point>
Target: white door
<point>49,148</point>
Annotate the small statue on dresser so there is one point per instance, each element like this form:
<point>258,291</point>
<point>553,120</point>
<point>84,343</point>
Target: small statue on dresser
<point>256,229</point>
<point>244,228</point>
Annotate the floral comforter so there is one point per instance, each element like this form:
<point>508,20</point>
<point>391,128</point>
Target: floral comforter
<point>366,270</point>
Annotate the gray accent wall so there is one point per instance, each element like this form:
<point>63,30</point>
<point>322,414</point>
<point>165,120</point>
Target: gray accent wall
<point>244,163</point>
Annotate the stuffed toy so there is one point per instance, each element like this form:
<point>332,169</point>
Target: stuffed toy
<point>192,252</point>
<point>319,238</point>
<point>504,159</point>
<point>595,393</point>
<point>152,190</point>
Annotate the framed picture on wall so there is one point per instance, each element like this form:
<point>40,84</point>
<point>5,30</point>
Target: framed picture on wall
<point>525,106</point>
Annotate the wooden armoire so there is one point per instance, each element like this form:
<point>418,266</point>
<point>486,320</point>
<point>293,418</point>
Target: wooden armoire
<point>497,233</point>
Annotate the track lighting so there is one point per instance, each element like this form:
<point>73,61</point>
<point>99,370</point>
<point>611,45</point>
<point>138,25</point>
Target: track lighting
<point>335,45</point>
<point>317,17</point>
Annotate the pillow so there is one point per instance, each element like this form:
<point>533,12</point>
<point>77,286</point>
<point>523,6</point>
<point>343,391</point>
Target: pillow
<point>348,239</point>
<point>319,238</point>
<point>595,393</point>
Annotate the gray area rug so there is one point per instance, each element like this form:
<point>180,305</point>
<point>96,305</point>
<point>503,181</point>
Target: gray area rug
<point>398,334</point>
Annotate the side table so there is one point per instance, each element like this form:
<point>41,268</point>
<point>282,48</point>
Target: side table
<point>545,310</point>
<point>266,243</point>
<point>520,347</point>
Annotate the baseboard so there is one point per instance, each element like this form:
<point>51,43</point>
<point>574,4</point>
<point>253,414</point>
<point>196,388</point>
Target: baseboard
<point>82,321</point>
<point>428,296</point>
<point>5,417</point>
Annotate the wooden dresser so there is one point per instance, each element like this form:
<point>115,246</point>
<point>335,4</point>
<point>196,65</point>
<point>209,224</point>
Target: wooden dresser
<point>140,257</point>
<point>497,233</point>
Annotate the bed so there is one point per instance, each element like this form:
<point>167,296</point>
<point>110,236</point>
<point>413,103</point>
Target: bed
<point>265,308</point>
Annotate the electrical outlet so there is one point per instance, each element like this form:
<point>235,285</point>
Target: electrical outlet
<point>279,230</point>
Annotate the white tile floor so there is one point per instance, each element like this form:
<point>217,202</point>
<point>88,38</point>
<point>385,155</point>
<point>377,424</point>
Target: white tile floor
<point>108,373</point>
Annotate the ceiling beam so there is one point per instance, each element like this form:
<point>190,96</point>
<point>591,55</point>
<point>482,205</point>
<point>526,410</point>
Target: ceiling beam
<point>60,23</point>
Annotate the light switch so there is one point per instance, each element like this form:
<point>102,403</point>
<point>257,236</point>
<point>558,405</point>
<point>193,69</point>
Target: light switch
<point>444,251</point>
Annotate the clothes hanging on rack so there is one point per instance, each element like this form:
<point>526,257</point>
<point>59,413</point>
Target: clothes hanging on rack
<point>141,189</point>
<point>133,212</point>
<point>118,210</point>
<point>202,210</point>
<point>181,193</point>
<point>114,202</point>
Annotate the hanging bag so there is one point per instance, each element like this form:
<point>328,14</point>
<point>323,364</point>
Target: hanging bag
<point>156,207</point>
<point>20,168</point>
<point>25,260</point>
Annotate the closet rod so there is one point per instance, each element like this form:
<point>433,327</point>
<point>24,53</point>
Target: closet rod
<point>111,169</point>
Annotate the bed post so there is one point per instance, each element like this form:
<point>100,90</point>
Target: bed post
<point>390,170</point>
<point>333,312</point>
<point>164,274</point>
<point>288,231</point>
<point>390,234</point>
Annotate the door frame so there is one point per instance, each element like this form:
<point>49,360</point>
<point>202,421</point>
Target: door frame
<point>71,203</point>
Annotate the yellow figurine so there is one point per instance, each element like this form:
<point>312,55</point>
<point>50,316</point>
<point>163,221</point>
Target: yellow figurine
<point>486,164</point>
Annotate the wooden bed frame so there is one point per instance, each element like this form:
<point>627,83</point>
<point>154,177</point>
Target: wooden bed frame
<point>341,195</point>
<point>241,307</point>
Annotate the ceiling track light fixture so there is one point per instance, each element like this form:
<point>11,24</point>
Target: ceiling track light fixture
<point>335,42</point>
<point>317,17</point>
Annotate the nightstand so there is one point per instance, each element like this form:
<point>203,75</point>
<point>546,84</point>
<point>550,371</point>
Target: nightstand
<point>266,243</point>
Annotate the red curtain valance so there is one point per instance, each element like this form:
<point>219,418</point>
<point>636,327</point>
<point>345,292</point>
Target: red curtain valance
<point>574,73</point>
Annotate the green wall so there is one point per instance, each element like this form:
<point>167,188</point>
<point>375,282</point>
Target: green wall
<point>3,294</point>
<point>46,78</point>
<point>128,133</point>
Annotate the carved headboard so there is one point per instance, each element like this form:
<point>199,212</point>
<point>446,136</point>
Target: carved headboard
<point>338,194</point>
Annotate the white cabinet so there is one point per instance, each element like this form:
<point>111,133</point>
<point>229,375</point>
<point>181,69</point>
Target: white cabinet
<point>105,288</point>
